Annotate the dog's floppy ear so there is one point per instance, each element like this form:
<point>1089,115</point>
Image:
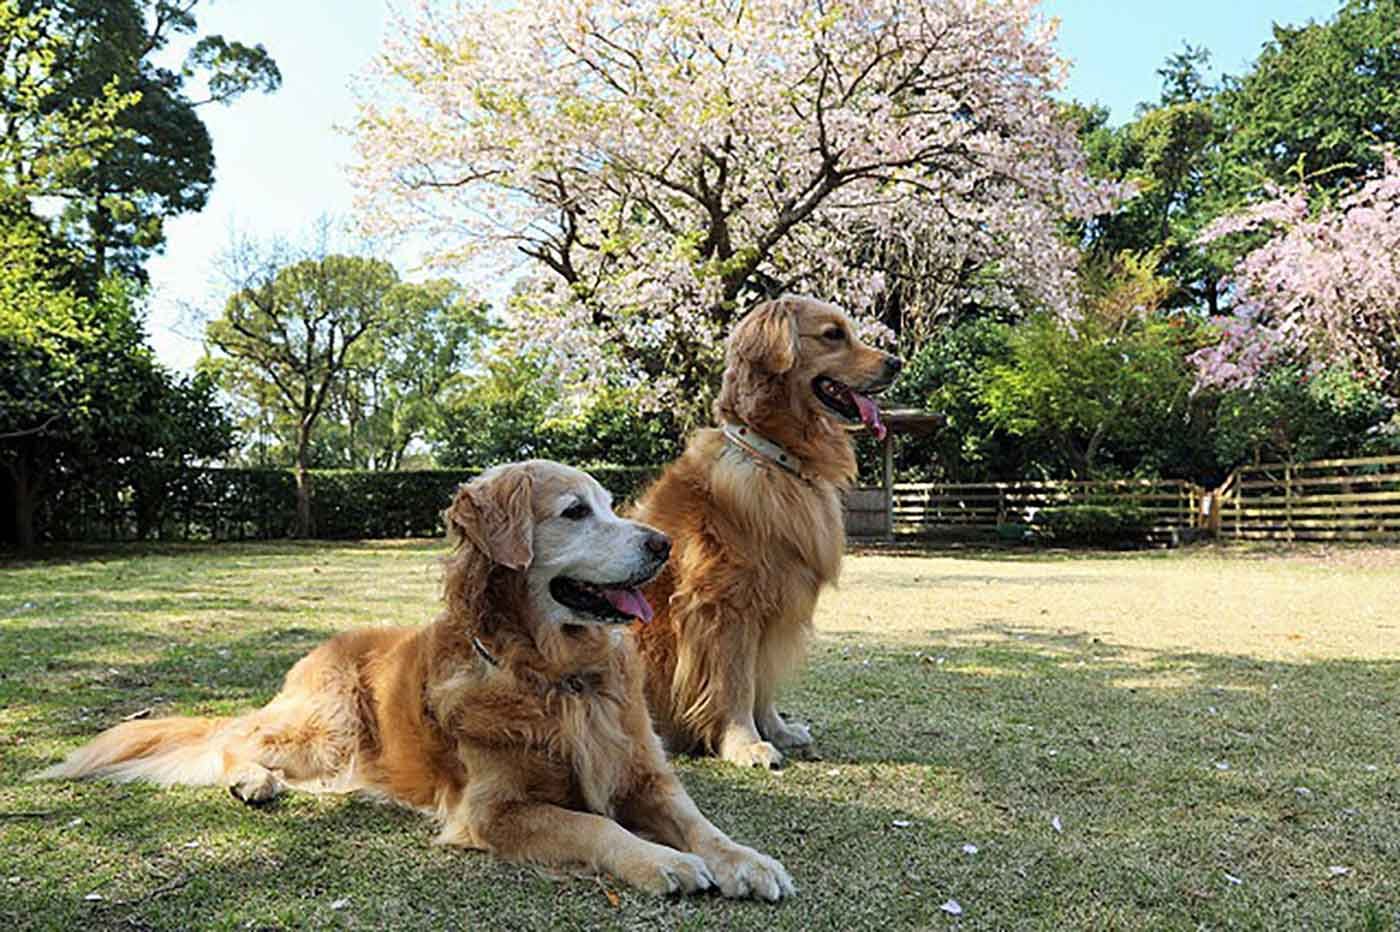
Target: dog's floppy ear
<point>495,516</point>
<point>767,336</point>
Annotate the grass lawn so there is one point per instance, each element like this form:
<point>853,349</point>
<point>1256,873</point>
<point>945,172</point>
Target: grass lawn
<point>1194,739</point>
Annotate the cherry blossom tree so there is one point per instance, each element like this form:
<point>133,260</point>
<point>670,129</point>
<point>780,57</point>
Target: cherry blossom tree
<point>660,163</point>
<point>1323,288</point>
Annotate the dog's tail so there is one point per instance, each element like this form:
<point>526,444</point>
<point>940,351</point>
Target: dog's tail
<point>161,750</point>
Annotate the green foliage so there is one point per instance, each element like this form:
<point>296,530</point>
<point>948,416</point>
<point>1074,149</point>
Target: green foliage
<point>160,163</point>
<point>398,374</point>
<point>189,503</point>
<point>1106,393</point>
<point>1292,415</point>
<point>1319,97</point>
<point>515,409</point>
<point>48,144</point>
<point>1101,525</point>
<point>82,398</point>
<point>288,329</point>
<point>946,375</point>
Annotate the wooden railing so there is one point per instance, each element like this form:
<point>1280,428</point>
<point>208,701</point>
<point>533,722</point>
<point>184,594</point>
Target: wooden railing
<point>1347,499</point>
<point>1337,499</point>
<point>983,508</point>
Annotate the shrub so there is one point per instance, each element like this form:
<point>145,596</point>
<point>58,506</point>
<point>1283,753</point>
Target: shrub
<point>1105,525</point>
<point>189,503</point>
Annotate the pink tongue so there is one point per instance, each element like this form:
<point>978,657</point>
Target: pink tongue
<point>869,414</point>
<point>629,602</point>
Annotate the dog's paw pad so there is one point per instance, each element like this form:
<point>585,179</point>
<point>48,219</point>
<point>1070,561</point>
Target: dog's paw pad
<point>757,754</point>
<point>744,872</point>
<point>257,790</point>
<point>680,874</point>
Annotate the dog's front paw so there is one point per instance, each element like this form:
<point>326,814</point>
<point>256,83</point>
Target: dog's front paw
<point>257,787</point>
<point>788,735</point>
<point>671,873</point>
<point>755,754</point>
<point>742,871</point>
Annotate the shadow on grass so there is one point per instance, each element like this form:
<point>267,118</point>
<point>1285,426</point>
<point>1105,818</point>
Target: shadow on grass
<point>1101,785</point>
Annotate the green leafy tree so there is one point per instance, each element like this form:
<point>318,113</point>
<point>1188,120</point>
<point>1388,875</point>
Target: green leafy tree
<point>1289,414</point>
<point>396,375</point>
<point>160,162</point>
<point>515,407</point>
<point>291,323</point>
<point>1172,154</point>
<point>1105,391</point>
<point>946,375</point>
<point>1319,98</point>
<point>81,395</point>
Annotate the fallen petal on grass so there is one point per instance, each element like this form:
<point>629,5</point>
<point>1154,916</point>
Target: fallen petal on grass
<point>952,908</point>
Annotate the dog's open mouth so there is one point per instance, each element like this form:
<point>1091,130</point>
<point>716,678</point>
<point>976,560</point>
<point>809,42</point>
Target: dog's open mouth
<point>850,404</point>
<point>615,603</point>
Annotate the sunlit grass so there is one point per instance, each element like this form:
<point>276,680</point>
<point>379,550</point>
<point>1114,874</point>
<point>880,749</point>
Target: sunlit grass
<point>1215,731</point>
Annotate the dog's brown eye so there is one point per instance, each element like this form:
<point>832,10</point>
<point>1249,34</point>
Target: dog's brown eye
<point>835,334</point>
<point>577,512</point>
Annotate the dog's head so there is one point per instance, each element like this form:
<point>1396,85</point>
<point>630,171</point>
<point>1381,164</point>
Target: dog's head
<point>810,348</point>
<point>554,525</point>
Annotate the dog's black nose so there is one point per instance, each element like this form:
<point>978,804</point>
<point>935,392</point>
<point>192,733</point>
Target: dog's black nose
<point>893,364</point>
<point>659,544</point>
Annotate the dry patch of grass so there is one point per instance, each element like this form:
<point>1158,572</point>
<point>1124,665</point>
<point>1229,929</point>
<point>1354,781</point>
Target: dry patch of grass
<point>1187,739</point>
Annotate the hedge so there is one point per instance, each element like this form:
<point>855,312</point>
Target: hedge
<point>196,503</point>
<point>1110,525</point>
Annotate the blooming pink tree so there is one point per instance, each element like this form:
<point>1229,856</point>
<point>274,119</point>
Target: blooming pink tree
<point>1324,288</point>
<point>657,162</point>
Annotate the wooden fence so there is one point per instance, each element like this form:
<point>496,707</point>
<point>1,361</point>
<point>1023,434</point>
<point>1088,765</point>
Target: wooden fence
<point>1351,499</point>
<point>982,509</point>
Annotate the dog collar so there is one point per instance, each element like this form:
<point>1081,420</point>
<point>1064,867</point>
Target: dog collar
<point>755,444</point>
<point>484,653</point>
<point>575,684</point>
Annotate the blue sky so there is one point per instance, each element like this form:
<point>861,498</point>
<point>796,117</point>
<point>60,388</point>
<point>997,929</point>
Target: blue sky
<point>280,158</point>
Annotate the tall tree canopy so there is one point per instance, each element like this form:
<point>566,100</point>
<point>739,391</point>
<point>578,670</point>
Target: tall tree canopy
<point>159,161</point>
<point>1320,97</point>
<point>661,161</point>
<point>291,321</point>
<point>81,395</point>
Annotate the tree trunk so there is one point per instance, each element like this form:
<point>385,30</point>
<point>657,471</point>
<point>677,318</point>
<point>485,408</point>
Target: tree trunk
<point>303,525</point>
<point>26,501</point>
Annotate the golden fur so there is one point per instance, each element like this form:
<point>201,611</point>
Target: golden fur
<point>539,749</point>
<point>753,544</point>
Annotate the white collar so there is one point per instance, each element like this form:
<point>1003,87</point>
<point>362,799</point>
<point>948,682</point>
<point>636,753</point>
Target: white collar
<point>755,444</point>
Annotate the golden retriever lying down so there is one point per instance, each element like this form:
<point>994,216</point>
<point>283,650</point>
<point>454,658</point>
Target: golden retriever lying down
<point>516,720</point>
<point>754,514</point>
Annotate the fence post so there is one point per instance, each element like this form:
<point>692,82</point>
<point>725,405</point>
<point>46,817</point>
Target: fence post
<point>1288,499</point>
<point>888,450</point>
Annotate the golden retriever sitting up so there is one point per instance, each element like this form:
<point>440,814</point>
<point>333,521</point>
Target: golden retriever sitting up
<point>754,515</point>
<point>516,720</point>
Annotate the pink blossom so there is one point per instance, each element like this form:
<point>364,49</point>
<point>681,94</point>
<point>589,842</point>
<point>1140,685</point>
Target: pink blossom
<point>640,151</point>
<point>1324,288</point>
